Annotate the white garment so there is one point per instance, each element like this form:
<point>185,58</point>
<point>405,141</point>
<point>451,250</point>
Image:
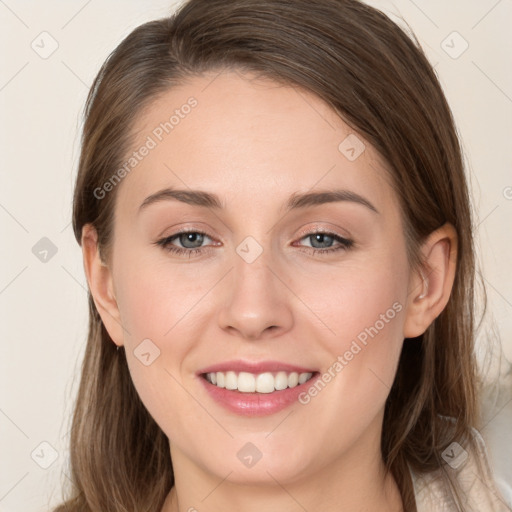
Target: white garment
<point>479,491</point>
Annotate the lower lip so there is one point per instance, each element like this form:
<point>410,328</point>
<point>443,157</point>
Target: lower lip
<point>256,404</point>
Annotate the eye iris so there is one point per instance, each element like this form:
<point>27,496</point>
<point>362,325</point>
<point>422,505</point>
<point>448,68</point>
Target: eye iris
<point>322,239</point>
<point>194,238</point>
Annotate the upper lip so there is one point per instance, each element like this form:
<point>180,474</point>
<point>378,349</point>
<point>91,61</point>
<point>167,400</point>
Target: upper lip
<point>254,367</point>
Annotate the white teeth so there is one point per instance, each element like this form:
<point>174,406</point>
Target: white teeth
<point>303,377</point>
<point>246,382</point>
<point>231,381</point>
<point>266,382</point>
<point>293,379</point>
<point>281,381</point>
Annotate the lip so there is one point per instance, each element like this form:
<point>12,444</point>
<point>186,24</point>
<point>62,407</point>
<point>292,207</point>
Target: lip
<point>255,404</point>
<point>254,367</point>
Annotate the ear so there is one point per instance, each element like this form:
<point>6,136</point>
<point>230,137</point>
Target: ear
<point>101,284</point>
<point>430,286</point>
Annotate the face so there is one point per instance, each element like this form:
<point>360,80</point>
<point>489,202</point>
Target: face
<point>269,289</point>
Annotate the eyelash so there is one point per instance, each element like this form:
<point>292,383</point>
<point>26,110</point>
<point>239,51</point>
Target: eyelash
<point>165,243</point>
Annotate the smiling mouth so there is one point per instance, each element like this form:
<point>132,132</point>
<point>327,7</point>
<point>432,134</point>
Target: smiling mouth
<point>267,382</point>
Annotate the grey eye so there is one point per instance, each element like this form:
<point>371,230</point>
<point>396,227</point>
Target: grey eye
<point>191,240</point>
<point>322,239</point>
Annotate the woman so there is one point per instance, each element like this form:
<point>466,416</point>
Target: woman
<point>277,238</point>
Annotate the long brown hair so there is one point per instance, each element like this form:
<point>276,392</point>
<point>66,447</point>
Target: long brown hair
<point>380,83</point>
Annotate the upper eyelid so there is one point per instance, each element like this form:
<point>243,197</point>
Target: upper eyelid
<point>304,234</point>
<point>314,230</point>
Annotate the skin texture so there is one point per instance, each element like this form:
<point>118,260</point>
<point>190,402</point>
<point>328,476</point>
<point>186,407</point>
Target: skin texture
<point>254,143</point>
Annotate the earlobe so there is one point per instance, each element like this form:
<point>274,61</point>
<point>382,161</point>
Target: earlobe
<point>431,285</point>
<point>99,278</point>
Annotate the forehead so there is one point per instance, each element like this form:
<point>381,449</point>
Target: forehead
<point>244,137</point>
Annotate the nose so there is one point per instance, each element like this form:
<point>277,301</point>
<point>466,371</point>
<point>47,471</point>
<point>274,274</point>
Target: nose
<point>256,300</point>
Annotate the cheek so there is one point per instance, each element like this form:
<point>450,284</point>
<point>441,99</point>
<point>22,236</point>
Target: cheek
<point>162,309</point>
<point>157,346</point>
<point>360,303</point>
<point>156,298</point>
<point>366,313</point>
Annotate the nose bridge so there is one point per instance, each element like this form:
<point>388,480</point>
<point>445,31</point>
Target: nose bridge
<point>252,263</point>
<point>256,301</point>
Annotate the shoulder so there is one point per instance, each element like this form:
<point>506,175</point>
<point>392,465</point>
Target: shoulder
<point>469,470</point>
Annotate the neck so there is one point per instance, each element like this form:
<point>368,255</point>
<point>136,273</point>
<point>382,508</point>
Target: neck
<point>358,482</point>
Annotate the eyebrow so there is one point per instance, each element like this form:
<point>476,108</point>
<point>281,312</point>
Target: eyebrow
<point>208,200</point>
